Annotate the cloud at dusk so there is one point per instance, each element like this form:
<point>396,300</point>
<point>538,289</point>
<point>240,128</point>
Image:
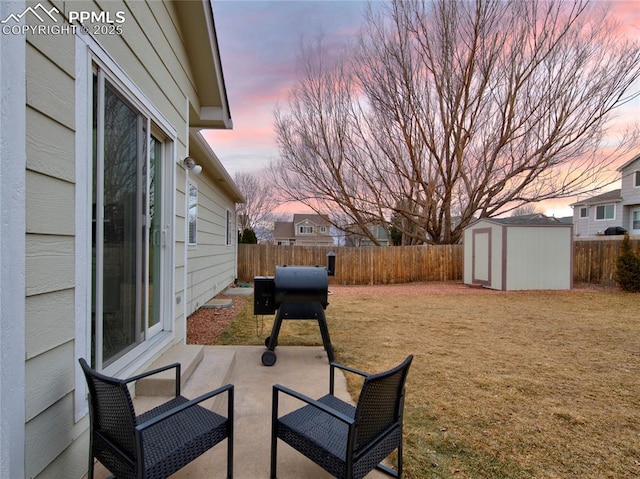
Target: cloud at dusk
<point>259,42</point>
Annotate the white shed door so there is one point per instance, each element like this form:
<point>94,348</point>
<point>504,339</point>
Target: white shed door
<point>481,273</point>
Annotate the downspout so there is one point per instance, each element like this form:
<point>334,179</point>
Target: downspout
<point>185,292</point>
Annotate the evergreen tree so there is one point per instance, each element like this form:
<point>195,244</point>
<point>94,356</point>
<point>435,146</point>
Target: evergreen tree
<point>248,237</point>
<point>628,267</point>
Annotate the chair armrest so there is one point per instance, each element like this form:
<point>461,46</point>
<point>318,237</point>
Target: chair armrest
<point>277,388</point>
<point>228,388</point>
<point>332,368</point>
<point>156,371</point>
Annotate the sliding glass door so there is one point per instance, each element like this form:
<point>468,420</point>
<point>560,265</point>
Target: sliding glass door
<point>127,233</point>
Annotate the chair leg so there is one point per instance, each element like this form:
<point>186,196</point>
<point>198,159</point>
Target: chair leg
<point>90,471</point>
<point>400,459</point>
<point>274,433</point>
<point>229,457</point>
<point>274,456</point>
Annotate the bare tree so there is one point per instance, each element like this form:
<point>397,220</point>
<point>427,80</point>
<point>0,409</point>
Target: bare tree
<point>445,111</point>
<point>525,210</point>
<point>257,212</point>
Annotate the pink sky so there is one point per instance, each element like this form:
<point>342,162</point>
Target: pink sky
<point>259,42</point>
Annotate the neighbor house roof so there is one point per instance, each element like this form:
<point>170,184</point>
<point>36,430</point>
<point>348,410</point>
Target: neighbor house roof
<point>608,197</point>
<point>322,220</point>
<point>628,163</point>
<point>201,45</point>
<point>283,229</point>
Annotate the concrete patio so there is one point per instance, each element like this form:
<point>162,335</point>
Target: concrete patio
<point>304,369</point>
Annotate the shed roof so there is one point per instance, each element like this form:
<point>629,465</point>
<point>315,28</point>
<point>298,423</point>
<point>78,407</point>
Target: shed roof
<point>537,219</point>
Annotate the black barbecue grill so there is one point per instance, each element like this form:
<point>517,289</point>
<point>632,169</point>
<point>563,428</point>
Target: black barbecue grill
<point>295,292</point>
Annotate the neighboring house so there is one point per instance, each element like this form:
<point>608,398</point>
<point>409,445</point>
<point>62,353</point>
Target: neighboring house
<point>304,230</point>
<point>355,236</point>
<point>621,207</point>
<point>107,241</point>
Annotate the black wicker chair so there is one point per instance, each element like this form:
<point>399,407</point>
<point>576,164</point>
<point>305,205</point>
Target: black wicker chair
<point>346,441</point>
<point>156,443</point>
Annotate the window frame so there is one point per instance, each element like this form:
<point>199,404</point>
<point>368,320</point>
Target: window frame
<point>585,210</point>
<point>228,229</point>
<point>309,227</point>
<point>636,180</point>
<point>87,53</point>
<point>192,221</point>
<point>604,209</point>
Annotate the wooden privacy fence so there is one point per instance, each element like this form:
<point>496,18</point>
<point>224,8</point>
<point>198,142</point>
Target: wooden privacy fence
<point>594,261</point>
<point>366,265</point>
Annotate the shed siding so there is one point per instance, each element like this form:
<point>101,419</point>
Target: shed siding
<point>538,258</point>
<point>521,257</point>
<point>493,264</point>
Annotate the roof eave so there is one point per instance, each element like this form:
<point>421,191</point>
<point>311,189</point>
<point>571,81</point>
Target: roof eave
<point>201,43</point>
<point>202,152</point>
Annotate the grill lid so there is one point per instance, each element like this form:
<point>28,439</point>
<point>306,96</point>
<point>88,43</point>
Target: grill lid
<point>301,284</point>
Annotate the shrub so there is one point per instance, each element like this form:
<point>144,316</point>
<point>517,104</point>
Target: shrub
<point>248,237</point>
<point>628,267</point>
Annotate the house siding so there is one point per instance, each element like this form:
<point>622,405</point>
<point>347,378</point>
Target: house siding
<point>12,252</point>
<point>630,192</point>
<point>590,226</point>
<point>211,264</point>
<point>49,249</point>
<point>153,58</point>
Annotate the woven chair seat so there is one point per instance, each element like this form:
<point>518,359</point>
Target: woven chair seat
<point>315,431</point>
<point>346,441</point>
<point>181,438</point>
<point>156,443</point>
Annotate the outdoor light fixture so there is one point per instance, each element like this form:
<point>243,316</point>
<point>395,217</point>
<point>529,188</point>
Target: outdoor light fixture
<point>190,164</point>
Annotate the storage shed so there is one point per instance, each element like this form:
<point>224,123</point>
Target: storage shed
<point>519,253</point>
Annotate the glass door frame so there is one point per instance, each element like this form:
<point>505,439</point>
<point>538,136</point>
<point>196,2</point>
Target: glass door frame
<point>164,237</point>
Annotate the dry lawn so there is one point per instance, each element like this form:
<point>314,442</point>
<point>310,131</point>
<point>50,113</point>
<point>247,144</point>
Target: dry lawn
<point>503,384</point>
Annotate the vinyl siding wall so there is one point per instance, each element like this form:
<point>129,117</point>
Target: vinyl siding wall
<point>49,305</point>
<point>211,263</point>
<point>152,56</point>
<point>590,226</point>
<point>630,192</point>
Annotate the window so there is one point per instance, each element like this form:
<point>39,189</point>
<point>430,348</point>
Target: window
<point>127,200</point>
<point>305,230</point>
<point>635,220</point>
<point>605,212</point>
<point>193,214</point>
<point>636,181</point>
<point>323,229</point>
<point>584,212</point>
<point>229,234</point>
